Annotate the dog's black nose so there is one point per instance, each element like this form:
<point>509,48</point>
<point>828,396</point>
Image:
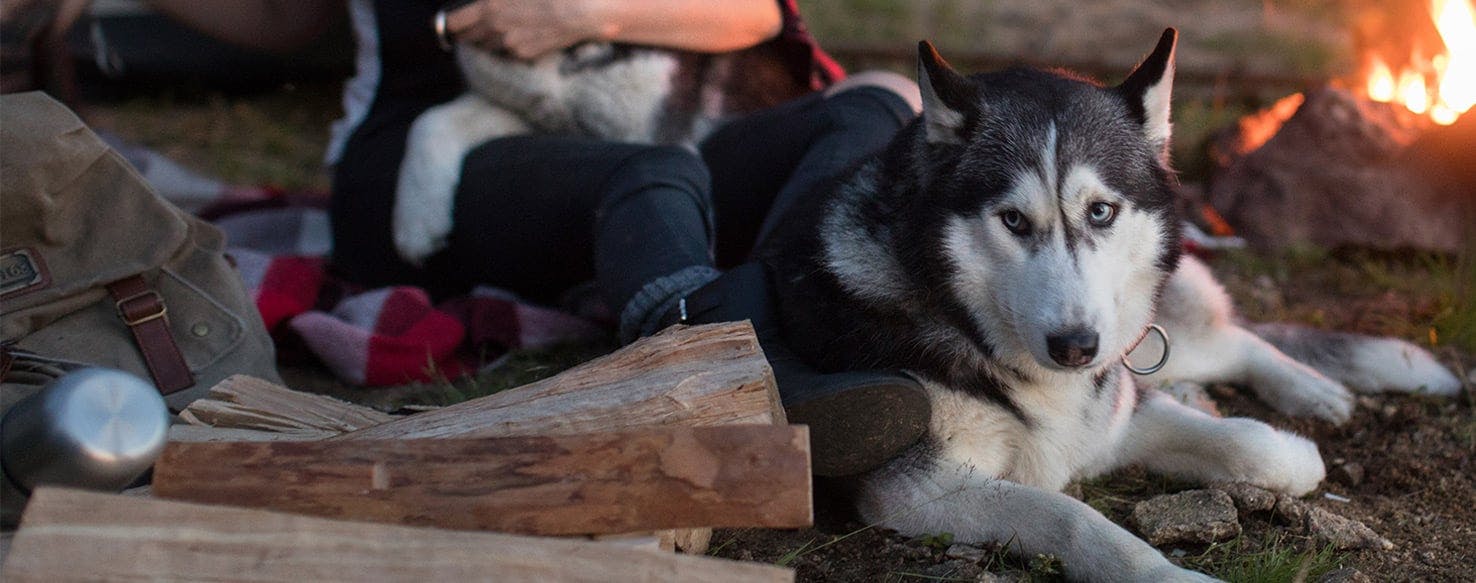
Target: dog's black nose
<point>1072,348</point>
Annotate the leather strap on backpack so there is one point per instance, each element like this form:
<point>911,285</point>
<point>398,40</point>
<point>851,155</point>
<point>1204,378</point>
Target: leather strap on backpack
<point>143,310</point>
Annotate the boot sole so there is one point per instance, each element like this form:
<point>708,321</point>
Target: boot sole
<point>859,428</point>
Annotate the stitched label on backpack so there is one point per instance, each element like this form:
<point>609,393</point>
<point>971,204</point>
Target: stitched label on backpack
<point>21,270</point>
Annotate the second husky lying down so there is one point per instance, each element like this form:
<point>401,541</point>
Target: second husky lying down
<point>1010,249</point>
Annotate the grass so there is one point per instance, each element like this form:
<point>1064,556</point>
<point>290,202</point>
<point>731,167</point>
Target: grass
<point>1245,560</point>
<point>1422,297</point>
<point>276,138</point>
<point>1289,53</point>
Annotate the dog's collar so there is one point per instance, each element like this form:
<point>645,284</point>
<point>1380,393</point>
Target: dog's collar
<point>1162,360</point>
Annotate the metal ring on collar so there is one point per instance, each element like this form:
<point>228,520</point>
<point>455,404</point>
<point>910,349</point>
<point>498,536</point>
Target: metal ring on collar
<point>1162,360</point>
<point>443,36</point>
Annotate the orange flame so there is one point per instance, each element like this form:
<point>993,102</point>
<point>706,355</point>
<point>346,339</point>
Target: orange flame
<point>1453,91</point>
<point>1412,91</point>
<point>1380,82</point>
<point>1457,26</point>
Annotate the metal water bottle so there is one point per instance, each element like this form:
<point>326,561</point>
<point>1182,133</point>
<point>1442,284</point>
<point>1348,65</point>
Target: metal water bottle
<point>93,428</point>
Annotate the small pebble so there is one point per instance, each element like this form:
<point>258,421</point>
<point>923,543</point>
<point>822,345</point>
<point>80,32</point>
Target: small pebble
<point>1346,575</point>
<point>965,552</point>
<point>1349,474</point>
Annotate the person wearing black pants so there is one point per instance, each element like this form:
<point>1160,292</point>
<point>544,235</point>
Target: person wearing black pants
<point>655,227</point>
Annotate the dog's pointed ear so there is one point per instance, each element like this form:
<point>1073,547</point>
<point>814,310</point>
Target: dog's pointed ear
<point>945,94</point>
<point>1148,89</point>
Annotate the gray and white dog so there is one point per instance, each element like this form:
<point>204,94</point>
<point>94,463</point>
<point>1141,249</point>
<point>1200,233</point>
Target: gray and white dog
<point>1010,249</point>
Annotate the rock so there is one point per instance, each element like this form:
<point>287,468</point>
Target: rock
<point>1342,170</point>
<point>1349,474</point>
<point>1291,510</point>
<point>1007,577</point>
<point>1194,516</point>
<point>1346,575</point>
<point>965,552</point>
<point>1194,395</point>
<point>1327,528</point>
<point>910,550</point>
<point>1342,533</point>
<point>1248,499</point>
<point>957,570</point>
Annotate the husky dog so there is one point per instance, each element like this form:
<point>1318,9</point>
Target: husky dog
<point>1011,249</point>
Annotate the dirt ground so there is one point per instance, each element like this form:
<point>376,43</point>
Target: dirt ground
<point>1417,458</point>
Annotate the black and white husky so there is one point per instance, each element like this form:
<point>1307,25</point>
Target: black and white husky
<point>1011,250</point>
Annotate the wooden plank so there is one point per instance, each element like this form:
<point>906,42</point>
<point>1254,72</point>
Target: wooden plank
<point>244,402</point>
<point>688,375</point>
<point>72,535</point>
<point>604,483</point>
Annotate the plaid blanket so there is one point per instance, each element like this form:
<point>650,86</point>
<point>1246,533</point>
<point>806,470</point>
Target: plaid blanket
<point>374,337</point>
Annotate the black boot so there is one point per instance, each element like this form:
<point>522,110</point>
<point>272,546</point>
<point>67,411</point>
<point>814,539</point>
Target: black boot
<point>858,420</point>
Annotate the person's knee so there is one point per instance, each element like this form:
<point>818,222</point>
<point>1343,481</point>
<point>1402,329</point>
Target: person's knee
<point>901,93</point>
<point>668,165</point>
<point>670,169</point>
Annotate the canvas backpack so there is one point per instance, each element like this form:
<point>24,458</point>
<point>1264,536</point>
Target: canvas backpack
<point>97,268</point>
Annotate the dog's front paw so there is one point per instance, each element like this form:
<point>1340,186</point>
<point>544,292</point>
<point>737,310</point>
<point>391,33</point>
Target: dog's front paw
<point>424,197</point>
<point>1304,392</point>
<point>1276,460</point>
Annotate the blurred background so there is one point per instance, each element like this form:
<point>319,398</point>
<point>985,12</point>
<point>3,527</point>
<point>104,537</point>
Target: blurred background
<point>198,108</point>
<point>261,118</point>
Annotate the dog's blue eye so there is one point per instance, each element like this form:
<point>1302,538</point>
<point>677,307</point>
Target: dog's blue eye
<point>1101,214</point>
<point>1015,222</point>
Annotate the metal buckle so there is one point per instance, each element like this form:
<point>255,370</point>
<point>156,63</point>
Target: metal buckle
<point>1162,360</point>
<point>163,309</point>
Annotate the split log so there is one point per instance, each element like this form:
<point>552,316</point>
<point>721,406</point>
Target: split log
<point>73,535</point>
<point>243,402</point>
<point>684,376</point>
<point>602,483</point>
<point>687,375</point>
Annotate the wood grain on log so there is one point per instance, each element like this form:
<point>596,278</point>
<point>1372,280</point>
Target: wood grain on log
<point>73,535</point>
<point>603,483</point>
<point>243,402</point>
<point>687,375</point>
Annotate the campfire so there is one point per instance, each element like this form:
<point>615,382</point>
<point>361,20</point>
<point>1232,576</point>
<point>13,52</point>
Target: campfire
<point>1386,159</point>
<point>1442,86</point>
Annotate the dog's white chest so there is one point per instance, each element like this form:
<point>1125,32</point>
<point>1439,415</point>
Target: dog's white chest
<point>1072,433</point>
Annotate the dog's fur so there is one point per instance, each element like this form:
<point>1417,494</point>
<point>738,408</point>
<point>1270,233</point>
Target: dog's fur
<point>913,267</point>
<point>604,91</point>
<point>597,90</point>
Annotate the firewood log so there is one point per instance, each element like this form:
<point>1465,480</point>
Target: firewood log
<point>69,535</point>
<point>685,376</point>
<point>598,483</point>
<point>694,376</point>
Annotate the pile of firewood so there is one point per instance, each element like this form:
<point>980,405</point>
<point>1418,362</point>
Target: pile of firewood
<point>591,475</point>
